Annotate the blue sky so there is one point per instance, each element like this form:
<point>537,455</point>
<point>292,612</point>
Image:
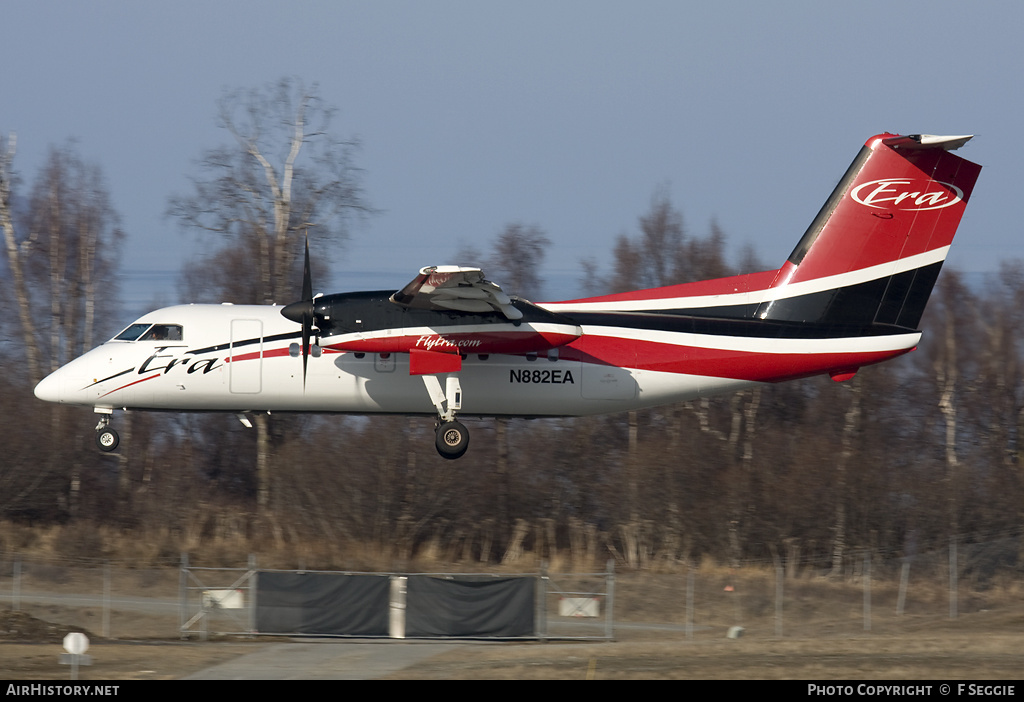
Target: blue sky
<point>566,114</point>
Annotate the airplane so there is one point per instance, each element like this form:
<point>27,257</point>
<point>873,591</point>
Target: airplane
<point>452,343</point>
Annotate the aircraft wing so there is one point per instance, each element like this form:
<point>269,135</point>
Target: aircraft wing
<point>455,288</point>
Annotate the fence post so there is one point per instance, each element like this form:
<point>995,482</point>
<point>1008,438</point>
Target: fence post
<point>106,599</point>
<point>253,583</point>
<point>953,585</point>
<point>689,603</point>
<point>609,631</point>
<point>904,577</point>
<point>542,603</point>
<point>16,585</point>
<point>779,576</point>
<point>183,595</point>
<point>867,591</point>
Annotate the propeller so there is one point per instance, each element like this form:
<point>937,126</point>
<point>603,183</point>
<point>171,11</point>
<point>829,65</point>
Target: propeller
<point>302,312</point>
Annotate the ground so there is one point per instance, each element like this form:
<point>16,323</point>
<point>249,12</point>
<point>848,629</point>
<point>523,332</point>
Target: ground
<point>975,646</point>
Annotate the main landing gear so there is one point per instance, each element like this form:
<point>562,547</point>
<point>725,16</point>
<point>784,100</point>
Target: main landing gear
<point>452,437</point>
<point>106,438</point>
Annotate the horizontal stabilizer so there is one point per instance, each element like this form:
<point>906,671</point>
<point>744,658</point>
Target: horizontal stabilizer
<point>927,141</point>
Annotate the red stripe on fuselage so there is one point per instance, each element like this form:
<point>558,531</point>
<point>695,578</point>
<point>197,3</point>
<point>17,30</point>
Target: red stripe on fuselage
<point>750,282</point>
<point>269,353</point>
<point>717,363</point>
<point>461,342</point>
<point>140,380</point>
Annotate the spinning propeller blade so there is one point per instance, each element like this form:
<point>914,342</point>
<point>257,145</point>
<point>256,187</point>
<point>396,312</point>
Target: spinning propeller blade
<point>302,312</point>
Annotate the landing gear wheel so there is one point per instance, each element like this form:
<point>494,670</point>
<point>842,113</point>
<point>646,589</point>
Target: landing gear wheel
<point>107,439</point>
<point>452,439</point>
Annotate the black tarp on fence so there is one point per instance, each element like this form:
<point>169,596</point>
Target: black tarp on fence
<point>319,603</point>
<point>469,607</point>
<point>346,604</point>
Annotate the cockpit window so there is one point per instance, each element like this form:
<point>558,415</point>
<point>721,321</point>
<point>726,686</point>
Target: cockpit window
<point>163,332</point>
<point>132,333</point>
<point>151,332</point>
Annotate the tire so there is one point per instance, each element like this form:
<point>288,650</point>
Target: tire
<point>452,440</point>
<point>107,439</point>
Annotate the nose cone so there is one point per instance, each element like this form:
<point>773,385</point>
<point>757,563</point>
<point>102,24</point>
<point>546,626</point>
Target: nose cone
<point>298,311</point>
<point>49,388</point>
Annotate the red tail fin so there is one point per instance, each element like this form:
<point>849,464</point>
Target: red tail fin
<point>873,252</point>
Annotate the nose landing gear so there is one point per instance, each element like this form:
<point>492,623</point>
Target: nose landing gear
<point>106,438</point>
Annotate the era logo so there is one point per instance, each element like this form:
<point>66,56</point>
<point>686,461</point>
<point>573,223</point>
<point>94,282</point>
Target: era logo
<point>907,194</point>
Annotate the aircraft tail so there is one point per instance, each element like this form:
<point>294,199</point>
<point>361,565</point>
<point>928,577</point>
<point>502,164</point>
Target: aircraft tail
<point>851,294</point>
<point>872,254</point>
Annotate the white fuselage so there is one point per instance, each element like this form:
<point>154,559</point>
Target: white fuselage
<point>207,371</point>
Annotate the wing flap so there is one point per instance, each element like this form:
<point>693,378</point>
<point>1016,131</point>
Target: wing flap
<point>457,289</point>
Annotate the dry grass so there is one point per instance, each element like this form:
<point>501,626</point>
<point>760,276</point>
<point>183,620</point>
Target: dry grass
<point>823,622</point>
<point>984,645</point>
<point>969,656</point>
<point>228,544</point>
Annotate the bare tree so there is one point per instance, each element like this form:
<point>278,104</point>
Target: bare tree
<point>951,355</point>
<point>61,251</point>
<point>516,259</point>
<point>76,235</point>
<point>657,254</point>
<point>61,246</point>
<point>514,262</point>
<point>851,425</point>
<point>662,253</point>
<point>284,177</point>
<point>17,250</point>
<point>1002,389</point>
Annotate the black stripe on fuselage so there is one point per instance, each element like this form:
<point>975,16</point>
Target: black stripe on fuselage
<point>109,377</point>
<point>884,306</point>
<point>890,305</point>
<point>246,342</point>
<point>347,313</point>
<point>897,300</point>
<point>678,322</point>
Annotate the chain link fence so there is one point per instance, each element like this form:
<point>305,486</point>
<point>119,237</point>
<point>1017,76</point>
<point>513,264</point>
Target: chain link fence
<point>871,593</point>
